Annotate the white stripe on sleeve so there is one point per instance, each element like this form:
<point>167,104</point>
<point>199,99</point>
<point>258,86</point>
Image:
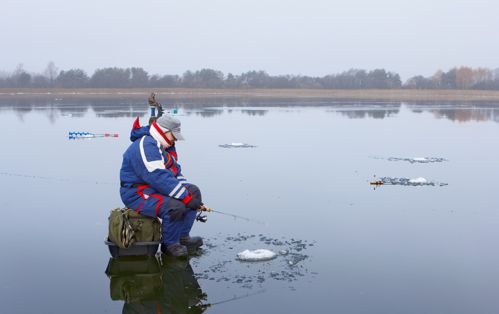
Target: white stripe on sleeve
<point>175,189</point>
<point>150,165</point>
<point>182,190</point>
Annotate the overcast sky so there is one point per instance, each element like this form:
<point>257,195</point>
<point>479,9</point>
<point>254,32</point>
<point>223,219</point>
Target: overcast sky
<point>313,37</point>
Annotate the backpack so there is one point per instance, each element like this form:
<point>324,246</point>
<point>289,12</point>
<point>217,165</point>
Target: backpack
<point>127,227</point>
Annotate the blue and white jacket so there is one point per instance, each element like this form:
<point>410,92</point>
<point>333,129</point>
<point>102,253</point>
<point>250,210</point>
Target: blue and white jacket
<point>150,169</point>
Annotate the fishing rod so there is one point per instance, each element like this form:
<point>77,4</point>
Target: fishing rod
<point>83,135</point>
<point>204,218</point>
<point>234,298</point>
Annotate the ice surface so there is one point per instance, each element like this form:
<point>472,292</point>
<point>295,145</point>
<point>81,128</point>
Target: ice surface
<point>219,264</point>
<point>256,255</point>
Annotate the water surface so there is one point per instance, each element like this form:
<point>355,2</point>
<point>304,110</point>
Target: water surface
<point>353,248</point>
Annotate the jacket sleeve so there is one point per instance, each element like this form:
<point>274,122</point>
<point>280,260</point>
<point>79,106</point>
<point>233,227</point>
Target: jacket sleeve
<point>150,167</point>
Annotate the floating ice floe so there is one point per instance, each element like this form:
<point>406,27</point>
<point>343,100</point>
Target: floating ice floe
<point>291,263</point>
<point>420,181</point>
<point>256,255</point>
<point>421,160</point>
<point>236,145</point>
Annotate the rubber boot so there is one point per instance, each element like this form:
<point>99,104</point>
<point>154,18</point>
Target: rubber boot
<point>174,250</point>
<point>192,243</point>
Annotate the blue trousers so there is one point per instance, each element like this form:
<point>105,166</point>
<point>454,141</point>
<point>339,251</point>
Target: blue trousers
<point>157,205</point>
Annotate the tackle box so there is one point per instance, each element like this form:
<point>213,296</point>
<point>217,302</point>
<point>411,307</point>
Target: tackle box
<point>137,249</point>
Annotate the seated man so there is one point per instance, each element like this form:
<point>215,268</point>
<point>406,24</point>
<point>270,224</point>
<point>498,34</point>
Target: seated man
<point>152,184</point>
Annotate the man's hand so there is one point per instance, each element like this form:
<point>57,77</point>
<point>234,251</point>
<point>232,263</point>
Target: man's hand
<point>194,203</point>
<point>204,208</point>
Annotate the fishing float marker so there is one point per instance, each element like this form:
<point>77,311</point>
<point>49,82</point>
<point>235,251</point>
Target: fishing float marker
<point>85,135</point>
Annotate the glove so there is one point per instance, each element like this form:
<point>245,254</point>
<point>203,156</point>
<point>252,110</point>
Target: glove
<point>195,191</point>
<point>194,203</point>
<point>204,208</point>
<point>178,213</point>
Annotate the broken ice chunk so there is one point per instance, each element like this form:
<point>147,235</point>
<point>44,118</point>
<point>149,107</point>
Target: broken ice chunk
<point>256,255</point>
<point>419,180</point>
<point>236,145</point>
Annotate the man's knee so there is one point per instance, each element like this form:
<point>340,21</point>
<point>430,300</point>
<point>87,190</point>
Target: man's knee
<point>171,205</point>
<point>174,204</point>
<point>174,210</point>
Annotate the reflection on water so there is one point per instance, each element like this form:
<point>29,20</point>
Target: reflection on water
<point>208,113</point>
<point>458,112</point>
<point>254,112</point>
<point>465,115</point>
<point>206,108</point>
<point>155,285</point>
<point>378,111</point>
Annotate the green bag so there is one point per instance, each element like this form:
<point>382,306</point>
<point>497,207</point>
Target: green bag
<point>127,227</point>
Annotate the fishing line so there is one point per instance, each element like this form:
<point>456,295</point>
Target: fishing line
<point>59,179</point>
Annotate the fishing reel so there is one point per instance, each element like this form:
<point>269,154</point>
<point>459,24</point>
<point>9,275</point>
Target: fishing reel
<point>202,218</point>
<point>203,208</point>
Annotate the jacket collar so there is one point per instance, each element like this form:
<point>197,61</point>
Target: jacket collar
<point>158,133</point>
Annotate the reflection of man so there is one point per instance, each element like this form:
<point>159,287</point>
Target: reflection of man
<point>153,185</point>
<point>181,290</point>
<point>135,280</point>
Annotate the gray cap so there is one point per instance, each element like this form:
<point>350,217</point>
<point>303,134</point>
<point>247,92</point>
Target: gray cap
<point>172,124</point>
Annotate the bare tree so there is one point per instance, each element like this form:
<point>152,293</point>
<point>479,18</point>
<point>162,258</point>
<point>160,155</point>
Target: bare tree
<point>20,77</point>
<point>482,75</point>
<point>464,77</point>
<point>436,79</point>
<point>51,72</point>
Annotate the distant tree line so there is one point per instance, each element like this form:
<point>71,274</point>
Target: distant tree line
<point>113,77</point>
<point>457,78</point>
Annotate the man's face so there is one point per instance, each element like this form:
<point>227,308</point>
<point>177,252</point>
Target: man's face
<point>169,135</point>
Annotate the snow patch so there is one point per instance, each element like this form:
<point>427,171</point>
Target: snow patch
<point>420,159</point>
<point>237,145</point>
<point>419,180</point>
<point>256,255</point>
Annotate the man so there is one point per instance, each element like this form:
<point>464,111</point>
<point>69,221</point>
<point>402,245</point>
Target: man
<point>153,105</point>
<point>153,185</point>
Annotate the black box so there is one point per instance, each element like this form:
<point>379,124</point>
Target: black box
<point>137,249</point>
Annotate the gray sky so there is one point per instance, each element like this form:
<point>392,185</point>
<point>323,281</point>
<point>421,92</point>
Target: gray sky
<point>313,37</point>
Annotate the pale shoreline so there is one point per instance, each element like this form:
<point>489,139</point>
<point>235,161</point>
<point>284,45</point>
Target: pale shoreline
<point>324,94</point>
